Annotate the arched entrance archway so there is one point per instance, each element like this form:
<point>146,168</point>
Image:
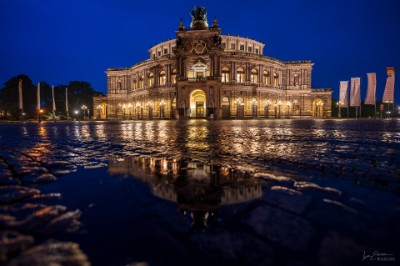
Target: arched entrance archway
<point>318,108</point>
<point>197,104</point>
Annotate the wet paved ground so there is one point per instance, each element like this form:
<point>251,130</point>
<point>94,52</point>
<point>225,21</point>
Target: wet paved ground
<point>288,192</point>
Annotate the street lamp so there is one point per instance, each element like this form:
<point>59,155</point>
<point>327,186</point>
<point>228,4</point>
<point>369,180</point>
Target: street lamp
<point>254,107</point>
<point>150,108</point>
<point>279,108</point>
<point>40,115</point>
<point>267,104</point>
<point>84,108</point>
<point>238,103</point>
<point>99,110</point>
<point>138,106</point>
<point>123,109</point>
<point>76,114</point>
<point>288,104</point>
<point>319,105</point>
<point>130,107</point>
<point>162,106</point>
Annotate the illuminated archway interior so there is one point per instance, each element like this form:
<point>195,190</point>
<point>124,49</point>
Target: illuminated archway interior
<point>198,104</point>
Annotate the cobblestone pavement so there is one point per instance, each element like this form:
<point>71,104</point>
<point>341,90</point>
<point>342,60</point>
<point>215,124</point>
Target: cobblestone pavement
<point>330,188</point>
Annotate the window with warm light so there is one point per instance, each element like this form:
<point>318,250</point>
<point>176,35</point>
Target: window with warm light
<point>266,77</point>
<point>162,78</point>
<point>240,75</point>
<point>173,76</point>
<point>225,74</point>
<point>150,79</point>
<point>254,76</point>
<point>276,79</point>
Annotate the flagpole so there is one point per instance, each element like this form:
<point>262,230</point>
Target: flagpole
<point>54,103</point>
<point>38,102</point>
<point>20,98</point>
<point>66,100</point>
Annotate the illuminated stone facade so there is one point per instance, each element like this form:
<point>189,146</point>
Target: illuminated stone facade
<point>204,74</point>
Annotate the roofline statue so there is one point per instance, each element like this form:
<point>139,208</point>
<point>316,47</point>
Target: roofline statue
<point>199,13</point>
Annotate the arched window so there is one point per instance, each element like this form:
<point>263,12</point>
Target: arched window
<point>266,77</point>
<point>225,74</point>
<point>150,79</point>
<point>141,84</point>
<point>254,76</point>
<point>240,75</point>
<point>276,79</point>
<point>161,78</point>
<point>173,76</point>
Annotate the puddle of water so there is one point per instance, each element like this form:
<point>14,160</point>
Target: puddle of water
<point>140,209</point>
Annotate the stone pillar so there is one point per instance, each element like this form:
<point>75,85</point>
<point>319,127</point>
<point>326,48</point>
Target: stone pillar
<point>144,78</point>
<point>168,75</point>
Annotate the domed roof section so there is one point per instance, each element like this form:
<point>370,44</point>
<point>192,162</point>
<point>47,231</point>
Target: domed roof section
<point>199,18</point>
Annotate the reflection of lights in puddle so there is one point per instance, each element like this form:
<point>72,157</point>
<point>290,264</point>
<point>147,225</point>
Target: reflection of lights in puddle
<point>197,188</point>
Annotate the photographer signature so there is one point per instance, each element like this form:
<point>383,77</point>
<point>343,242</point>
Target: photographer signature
<point>376,255</point>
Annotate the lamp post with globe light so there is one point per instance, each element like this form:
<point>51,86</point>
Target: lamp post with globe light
<point>84,108</point>
<point>130,110</point>
<point>76,112</point>
<point>267,104</point>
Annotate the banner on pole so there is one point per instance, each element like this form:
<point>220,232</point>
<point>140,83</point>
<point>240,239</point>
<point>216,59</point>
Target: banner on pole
<point>388,94</point>
<point>355,99</point>
<point>371,90</point>
<point>343,94</point>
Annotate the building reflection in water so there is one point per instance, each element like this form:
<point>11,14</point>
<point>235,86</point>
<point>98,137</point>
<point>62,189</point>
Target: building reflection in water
<point>198,189</point>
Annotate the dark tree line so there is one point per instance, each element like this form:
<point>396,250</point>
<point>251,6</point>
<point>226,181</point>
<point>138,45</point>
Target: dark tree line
<point>79,93</point>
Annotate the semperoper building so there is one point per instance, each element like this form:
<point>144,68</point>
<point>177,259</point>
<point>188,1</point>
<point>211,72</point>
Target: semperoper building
<point>205,74</point>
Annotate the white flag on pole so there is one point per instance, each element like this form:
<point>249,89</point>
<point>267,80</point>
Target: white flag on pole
<point>343,93</point>
<point>388,94</point>
<point>371,91</point>
<point>355,99</point>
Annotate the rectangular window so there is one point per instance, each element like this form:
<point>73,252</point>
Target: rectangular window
<point>250,49</point>
<point>159,53</point>
<point>165,51</point>
<point>233,46</point>
<point>256,50</point>
<point>242,47</point>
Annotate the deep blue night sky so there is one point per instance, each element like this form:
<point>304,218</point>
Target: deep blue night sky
<point>61,41</point>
